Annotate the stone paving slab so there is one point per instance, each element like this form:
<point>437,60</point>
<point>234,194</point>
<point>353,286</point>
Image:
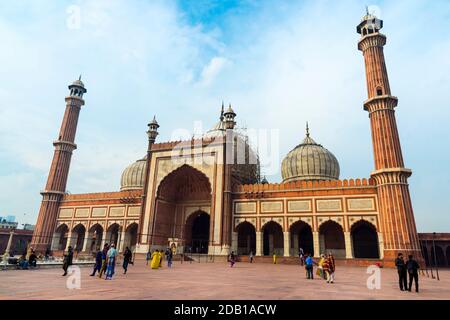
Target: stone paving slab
<point>200,281</point>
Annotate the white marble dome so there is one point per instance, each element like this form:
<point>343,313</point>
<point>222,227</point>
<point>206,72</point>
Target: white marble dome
<point>133,176</point>
<point>309,161</point>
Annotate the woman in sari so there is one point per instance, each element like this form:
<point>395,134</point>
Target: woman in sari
<point>111,264</point>
<point>326,268</point>
<point>155,260</point>
<point>320,272</point>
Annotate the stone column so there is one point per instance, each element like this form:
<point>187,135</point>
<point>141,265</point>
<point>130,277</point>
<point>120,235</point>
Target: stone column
<point>70,234</point>
<point>381,245</point>
<point>234,242</point>
<point>120,241</point>
<point>296,248</point>
<point>316,244</point>
<point>348,245</point>
<point>103,240</point>
<point>87,240</point>
<point>8,247</point>
<point>287,243</point>
<point>259,244</point>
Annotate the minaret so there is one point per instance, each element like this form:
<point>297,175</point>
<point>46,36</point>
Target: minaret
<point>152,133</point>
<point>396,214</point>
<point>59,170</point>
<point>229,115</point>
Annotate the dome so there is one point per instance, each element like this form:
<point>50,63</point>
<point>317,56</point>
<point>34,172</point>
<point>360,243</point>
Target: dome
<point>309,161</point>
<point>133,176</point>
<point>78,83</point>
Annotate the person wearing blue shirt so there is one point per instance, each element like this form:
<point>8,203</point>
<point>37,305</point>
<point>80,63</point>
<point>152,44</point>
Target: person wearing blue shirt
<point>98,261</point>
<point>309,265</point>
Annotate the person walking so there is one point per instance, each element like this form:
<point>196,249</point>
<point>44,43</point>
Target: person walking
<point>98,262</point>
<point>320,271</point>
<point>68,258</point>
<point>274,257</point>
<point>232,259</point>
<point>402,272</point>
<point>301,256</point>
<point>127,255</point>
<point>326,268</point>
<point>32,260</point>
<point>104,259</point>
<point>413,272</point>
<point>169,257</point>
<point>251,257</point>
<point>111,262</point>
<point>155,260</point>
<point>331,267</point>
<point>148,257</point>
<point>309,266</point>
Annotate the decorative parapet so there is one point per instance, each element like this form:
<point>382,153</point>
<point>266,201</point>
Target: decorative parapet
<point>169,145</point>
<point>122,195</point>
<point>303,185</point>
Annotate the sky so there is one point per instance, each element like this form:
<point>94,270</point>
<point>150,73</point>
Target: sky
<point>279,63</point>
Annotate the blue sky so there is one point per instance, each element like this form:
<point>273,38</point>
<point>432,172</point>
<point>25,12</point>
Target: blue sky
<point>280,63</point>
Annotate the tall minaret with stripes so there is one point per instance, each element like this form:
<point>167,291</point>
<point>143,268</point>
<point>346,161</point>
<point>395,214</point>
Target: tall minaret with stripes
<point>59,169</point>
<point>396,213</point>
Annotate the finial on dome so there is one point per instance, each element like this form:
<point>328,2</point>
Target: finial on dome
<point>307,129</point>
<point>79,78</point>
<point>367,10</point>
<point>221,112</point>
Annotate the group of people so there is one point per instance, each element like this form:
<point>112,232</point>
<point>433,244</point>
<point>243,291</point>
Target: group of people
<point>105,261</point>
<point>326,267</point>
<point>407,268</point>
<point>156,258</point>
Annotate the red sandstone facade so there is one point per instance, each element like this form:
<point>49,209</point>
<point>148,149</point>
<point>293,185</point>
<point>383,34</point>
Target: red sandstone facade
<point>193,199</point>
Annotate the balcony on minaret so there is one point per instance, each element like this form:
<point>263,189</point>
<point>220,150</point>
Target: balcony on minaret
<point>370,24</point>
<point>77,89</point>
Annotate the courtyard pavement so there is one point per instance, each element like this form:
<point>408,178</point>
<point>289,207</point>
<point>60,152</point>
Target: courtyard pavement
<point>198,281</point>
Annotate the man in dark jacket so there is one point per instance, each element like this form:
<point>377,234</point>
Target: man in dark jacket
<point>127,255</point>
<point>413,268</point>
<point>67,260</point>
<point>401,269</point>
<point>98,261</point>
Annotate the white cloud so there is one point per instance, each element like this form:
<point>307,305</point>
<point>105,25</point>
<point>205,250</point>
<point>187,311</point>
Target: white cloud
<point>212,70</point>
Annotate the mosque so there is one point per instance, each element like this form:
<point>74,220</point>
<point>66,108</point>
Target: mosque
<point>206,196</point>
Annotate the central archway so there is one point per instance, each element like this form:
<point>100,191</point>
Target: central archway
<point>197,232</point>
<point>178,193</point>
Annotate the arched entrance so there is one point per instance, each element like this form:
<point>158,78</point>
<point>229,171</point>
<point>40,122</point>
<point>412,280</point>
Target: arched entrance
<point>273,241</point>
<point>197,232</point>
<point>130,237</point>
<point>60,237</point>
<point>112,234</point>
<point>246,238</point>
<point>96,236</point>
<point>331,238</point>
<point>180,190</point>
<point>365,240</point>
<point>301,237</point>
<point>78,234</point>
